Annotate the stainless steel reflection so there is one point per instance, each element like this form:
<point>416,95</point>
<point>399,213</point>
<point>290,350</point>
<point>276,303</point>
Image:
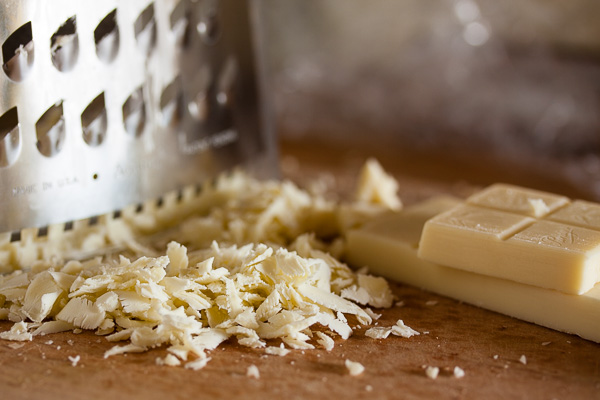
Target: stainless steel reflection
<point>109,103</point>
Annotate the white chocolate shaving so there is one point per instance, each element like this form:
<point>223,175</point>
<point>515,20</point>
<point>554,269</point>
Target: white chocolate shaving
<point>376,186</point>
<point>400,329</point>
<point>523,359</point>
<point>74,360</point>
<point>354,368</point>
<point>432,372</point>
<point>18,332</point>
<point>253,268</point>
<point>458,372</point>
<point>253,372</point>
<point>197,364</point>
<point>325,341</point>
<point>277,351</point>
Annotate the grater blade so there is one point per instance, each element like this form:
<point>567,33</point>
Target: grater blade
<point>105,104</point>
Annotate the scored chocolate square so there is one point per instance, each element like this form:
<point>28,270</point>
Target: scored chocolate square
<point>519,234</point>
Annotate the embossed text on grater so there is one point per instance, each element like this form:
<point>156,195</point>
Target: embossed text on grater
<point>109,103</point>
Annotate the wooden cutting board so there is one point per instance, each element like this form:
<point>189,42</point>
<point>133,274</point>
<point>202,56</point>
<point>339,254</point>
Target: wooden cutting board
<point>486,345</point>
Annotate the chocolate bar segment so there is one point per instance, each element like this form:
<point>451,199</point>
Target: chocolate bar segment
<point>388,246</point>
<point>519,234</point>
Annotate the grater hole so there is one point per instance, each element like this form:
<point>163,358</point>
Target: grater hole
<point>94,121</point>
<point>160,202</point>
<point>139,208</point>
<point>18,54</point>
<point>10,138</point>
<point>93,221</point>
<point>43,231</point>
<point>106,36</point>
<point>180,24</point>
<point>209,27</point>
<point>180,195</point>
<point>15,236</point>
<point>171,103</point>
<point>117,214</point>
<point>134,113</point>
<point>50,130</point>
<point>64,46</point>
<point>69,226</point>
<point>145,29</point>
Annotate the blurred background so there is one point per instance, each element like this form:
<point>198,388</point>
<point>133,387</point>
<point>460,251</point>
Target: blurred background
<point>444,90</point>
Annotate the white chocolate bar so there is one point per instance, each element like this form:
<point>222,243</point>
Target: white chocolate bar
<point>519,234</point>
<point>388,246</point>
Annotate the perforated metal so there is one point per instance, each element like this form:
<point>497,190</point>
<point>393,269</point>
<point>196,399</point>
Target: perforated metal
<point>109,103</point>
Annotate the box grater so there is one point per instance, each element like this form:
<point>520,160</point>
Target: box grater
<point>110,103</point>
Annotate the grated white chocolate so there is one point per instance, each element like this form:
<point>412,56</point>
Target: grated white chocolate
<point>257,271</point>
<point>354,368</point>
<point>432,372</point>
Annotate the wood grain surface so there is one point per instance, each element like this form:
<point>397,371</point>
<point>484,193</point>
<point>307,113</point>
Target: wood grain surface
<point>452,334</point>
<point>486,345</point>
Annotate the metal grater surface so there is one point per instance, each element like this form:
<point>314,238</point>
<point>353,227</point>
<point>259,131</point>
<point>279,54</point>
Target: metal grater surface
<point>109,103</point>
